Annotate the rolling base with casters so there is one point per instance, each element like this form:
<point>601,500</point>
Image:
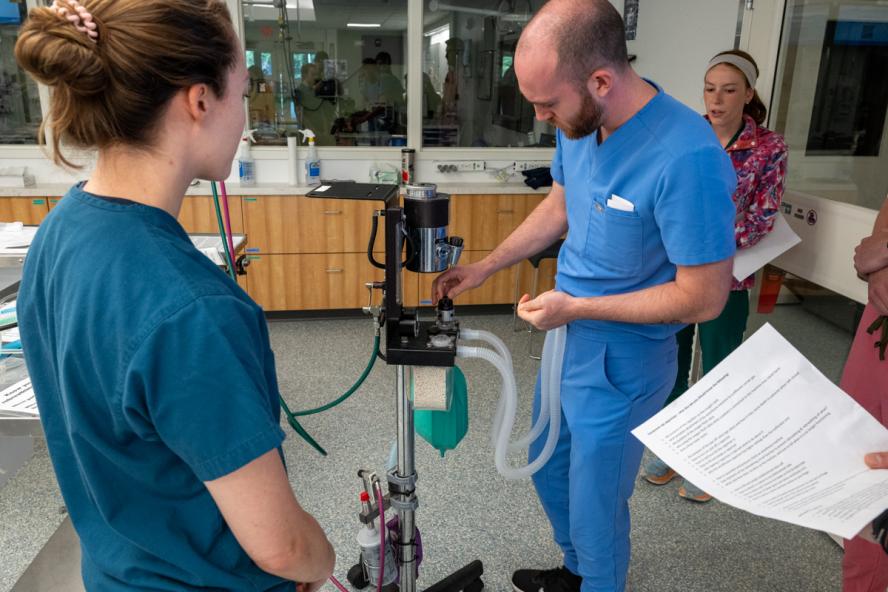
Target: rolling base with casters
<point>466,579</point>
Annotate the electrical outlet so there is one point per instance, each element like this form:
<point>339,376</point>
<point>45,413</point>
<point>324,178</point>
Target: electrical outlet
<point>526,165</point>
<point>460,166</point>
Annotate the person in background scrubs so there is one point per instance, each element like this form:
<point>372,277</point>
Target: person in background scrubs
<point>642,188</point>
<point>152,369</point>
<point>865,378</point>
<point>736,114</point>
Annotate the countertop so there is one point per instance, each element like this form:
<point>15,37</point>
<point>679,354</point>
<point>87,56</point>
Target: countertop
<point>234,189</point>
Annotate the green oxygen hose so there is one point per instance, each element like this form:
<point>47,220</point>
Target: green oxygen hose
<point>297,427</point>
<point>350,391</point>
<point>222,235</point>
<point>291,416</point>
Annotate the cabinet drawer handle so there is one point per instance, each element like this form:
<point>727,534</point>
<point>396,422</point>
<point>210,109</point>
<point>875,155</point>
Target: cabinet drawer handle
<point>505,211</point>
<point>332,212</point>
<point>334,270</point>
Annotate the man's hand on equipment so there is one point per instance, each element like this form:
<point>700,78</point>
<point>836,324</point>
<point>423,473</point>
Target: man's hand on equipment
<point>548,310</point>
<point>457,280</point>
<point>872,253</point>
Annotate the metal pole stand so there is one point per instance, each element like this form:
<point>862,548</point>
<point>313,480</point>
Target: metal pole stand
<point>408,344</point>
<point>411,342</point>
<point>402,496</point>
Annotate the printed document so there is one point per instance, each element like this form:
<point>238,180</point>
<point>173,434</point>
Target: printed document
<point>18,400</point>
<point>781,239</point>
<point>766,432</point>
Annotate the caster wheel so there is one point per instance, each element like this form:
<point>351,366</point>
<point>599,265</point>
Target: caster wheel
<point>357,577</point>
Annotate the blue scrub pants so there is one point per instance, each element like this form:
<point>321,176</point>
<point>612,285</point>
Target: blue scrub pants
<point>608,388</point>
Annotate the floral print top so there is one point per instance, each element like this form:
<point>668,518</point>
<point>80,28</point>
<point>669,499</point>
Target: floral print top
<point>759,157</point>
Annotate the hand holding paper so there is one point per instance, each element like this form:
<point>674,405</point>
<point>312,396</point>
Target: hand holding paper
<point>775,243</point>
<point>766,432</point>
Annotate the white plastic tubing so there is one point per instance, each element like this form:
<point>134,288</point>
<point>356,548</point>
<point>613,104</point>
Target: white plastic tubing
<point>504,420</point>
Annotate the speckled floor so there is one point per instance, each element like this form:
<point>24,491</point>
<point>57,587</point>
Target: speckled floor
<point>467,510</point>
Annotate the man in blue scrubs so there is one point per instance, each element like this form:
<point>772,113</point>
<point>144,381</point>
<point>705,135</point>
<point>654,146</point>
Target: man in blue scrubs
<point>642,190</point>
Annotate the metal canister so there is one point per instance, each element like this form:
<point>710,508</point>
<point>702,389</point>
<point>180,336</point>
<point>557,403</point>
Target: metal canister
<point>408,164</point>
<point>421,190</point>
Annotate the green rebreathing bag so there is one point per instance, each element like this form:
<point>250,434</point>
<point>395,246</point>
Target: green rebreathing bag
<point>445,429</point>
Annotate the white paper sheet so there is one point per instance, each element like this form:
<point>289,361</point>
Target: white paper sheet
<point>18,400</point>
<point>212,246</point>
<point>16,238</point>
<point>781,239</point>
<point>766,432</point>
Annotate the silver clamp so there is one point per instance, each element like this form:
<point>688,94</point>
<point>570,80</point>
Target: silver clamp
<point>407,483</point>
<point>410,504</point>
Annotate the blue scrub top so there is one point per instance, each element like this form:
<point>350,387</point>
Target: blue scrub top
<point>668,163</point>
<point>153,373</point>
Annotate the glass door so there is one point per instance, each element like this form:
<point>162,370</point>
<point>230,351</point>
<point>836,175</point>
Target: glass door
<point>831,98</point>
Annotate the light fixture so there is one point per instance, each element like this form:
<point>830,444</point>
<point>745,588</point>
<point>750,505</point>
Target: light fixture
<point>363,25</point>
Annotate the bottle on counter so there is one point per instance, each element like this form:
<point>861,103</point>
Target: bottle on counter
<point>312,161</point>
<point>246,166</point>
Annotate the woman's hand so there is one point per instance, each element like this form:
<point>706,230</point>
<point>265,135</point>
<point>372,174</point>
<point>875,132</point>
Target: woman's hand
<point>872,253</point>
<point>876,460</point>
<point>877,290</point>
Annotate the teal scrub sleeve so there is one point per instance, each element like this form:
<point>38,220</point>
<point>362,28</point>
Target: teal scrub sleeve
<point>556,169</point>
<point>694,209</point>
<point>203,383</point>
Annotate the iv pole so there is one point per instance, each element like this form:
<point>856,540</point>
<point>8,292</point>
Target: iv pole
<point>409,343</point>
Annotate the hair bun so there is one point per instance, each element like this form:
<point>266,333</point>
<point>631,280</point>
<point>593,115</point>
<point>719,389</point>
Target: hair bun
<point>55,53</point>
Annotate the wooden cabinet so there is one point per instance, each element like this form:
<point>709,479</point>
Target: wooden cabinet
<point>287,224</point>
<point>311,281</point>
<point>198,215</point>
<point>311,254</point>
<point>484,221</point>
<point>28,210</point>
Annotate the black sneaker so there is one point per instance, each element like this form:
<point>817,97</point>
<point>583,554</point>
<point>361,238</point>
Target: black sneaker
<point>546,580</point>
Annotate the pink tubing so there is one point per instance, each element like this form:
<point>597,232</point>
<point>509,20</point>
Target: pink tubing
<point>378,493</point>
<point>228,235</point>
<point>338,584</point>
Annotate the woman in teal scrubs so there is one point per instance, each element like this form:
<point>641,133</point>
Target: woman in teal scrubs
<point>152,369</point>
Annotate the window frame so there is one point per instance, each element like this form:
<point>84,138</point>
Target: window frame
<point>414,113</point>
<point>11,151</point>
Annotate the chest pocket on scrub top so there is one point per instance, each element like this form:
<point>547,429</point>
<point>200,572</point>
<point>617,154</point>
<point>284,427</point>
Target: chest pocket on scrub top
<point>614,240</point>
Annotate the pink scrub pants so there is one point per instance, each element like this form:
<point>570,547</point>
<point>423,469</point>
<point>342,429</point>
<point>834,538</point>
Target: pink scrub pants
<point>865,378</point>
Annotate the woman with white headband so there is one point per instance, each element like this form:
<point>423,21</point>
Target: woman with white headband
<point>736,113</point>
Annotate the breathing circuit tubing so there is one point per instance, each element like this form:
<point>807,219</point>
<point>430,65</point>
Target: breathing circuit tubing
<point>504,420</point>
